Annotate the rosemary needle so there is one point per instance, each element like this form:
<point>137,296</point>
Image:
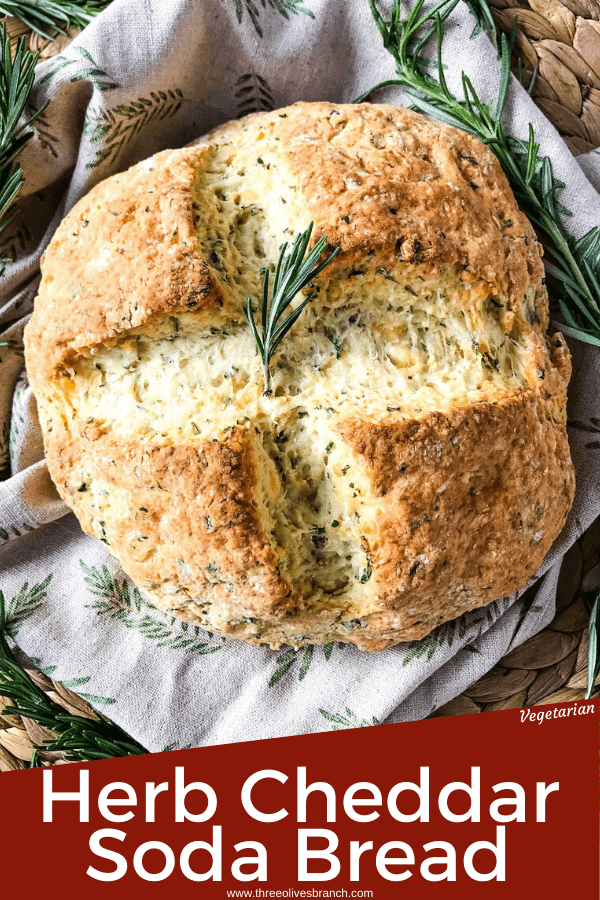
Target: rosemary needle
<point>294,271</point>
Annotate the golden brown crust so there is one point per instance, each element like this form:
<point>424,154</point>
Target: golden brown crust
<point>193,505</point>
<point>389,180</point>
<point>126,253</point>
<point>377,180</point>
<point>473,502</point>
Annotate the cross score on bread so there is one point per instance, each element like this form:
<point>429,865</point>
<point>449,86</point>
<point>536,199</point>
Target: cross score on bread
<point>411,461</point>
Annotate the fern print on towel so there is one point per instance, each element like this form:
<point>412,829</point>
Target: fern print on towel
<point>81,68</point>
<point>253,94</point>
<point>10,531</point>
<point>111,128</point>
<point>287,661</point>
<point>253,10</point>
<point>117,601</point>
<point>347,719</point>
<point>73,684</point>
<point>17,238</point>
<point>45,134</point>
<point>444,635</point>
<point>115,128</point>
<point>24,604</point>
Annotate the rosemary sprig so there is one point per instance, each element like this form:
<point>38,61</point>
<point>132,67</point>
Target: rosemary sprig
<point>16,80</point>
<point>51,14</point>
<point>575,263</point>
<point>593,665</point>
<point>80,739</point>
<point>294,272</point>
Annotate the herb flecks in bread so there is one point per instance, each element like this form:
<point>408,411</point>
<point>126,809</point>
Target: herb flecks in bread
<point>411,460</point>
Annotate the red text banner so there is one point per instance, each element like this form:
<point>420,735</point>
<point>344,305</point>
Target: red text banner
<point>495,805</point>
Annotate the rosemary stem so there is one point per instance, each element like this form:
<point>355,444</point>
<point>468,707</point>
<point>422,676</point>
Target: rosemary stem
<point>382,84</point>
<point>294,272</point>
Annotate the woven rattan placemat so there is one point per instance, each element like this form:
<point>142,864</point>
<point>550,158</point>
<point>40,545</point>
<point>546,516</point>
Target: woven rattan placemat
<point>559,41</point>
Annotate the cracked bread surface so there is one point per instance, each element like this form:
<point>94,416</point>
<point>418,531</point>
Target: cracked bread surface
<point>412,461</point>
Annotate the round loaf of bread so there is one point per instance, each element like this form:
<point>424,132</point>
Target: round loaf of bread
<point>411,461</point>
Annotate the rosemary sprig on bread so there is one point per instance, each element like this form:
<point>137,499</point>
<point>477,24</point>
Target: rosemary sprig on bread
<point>294,272</point>
<point>575,264</point>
